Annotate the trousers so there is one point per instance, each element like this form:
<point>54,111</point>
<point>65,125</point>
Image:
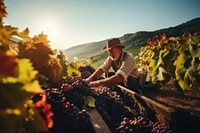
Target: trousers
<point>132,83</point>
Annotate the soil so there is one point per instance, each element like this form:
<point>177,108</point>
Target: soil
<point>169,96</point>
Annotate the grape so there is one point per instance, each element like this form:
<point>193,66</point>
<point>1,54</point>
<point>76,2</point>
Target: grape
<point>86,71</point>
<point>69,116</point>
<point>36,97</point>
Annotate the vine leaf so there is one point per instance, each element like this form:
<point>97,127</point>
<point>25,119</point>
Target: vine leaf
<point>24,34</point>
<point>173,57</point>
<point>5,34</point>
<point>8,63</point>
<point>41,38</point>
<point>72,69</point>
<point>26,71</point>
<point>90,101</point>
<point>181,70</point>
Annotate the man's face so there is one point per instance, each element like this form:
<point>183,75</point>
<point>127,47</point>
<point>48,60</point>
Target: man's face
<point>114,53</point>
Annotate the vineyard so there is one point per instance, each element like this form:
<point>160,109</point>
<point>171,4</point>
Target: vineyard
<point>40,91</point>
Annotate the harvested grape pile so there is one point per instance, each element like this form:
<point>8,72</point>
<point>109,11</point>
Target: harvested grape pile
<point>67,103</point>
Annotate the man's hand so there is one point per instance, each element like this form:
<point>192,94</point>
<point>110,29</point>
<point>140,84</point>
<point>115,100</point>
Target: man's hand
<point>89,79</point>
<point>95,83</point>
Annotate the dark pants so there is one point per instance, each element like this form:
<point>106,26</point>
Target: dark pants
<point>132,83</point>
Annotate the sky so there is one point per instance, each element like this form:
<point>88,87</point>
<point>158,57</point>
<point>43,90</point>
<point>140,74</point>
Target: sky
<point>73,22</point>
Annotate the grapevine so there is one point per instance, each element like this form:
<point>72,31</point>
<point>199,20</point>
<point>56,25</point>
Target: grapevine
<point>177,58</point>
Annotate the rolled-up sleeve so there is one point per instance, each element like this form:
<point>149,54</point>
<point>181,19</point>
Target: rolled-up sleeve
<point>106,65</point>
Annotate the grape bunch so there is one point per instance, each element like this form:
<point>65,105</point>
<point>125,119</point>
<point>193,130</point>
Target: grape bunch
<point>75,90</point>
<point>141,124</point>
<point>115,113</point>
<point>78,119</point>
<point>86,71</point>
<point>67,117</point>
<point>110,106</point>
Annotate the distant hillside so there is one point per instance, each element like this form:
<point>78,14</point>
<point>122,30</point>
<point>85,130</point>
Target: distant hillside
<point>85,50</point>
<point>140,38</point>
<point>132,41</point>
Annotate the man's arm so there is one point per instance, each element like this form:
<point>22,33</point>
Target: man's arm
<point>97,73</point>
<point>115,79</point>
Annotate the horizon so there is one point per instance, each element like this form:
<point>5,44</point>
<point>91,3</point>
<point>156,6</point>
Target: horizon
<point>74,22</point>
<point>132,33</point>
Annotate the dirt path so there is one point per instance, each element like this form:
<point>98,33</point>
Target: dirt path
<point>168,95</point>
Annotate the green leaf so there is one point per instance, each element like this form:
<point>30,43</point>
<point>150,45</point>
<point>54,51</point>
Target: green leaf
<point>178,58</point>
<point>154,66</point>
<point>181,59</point>
<point>26,71</point>
<point>32,87</point>
<point>90,101</point>
<point>181,70</point>
<point>25,76</point>
<point>72,69</point>
<point>184,85</point>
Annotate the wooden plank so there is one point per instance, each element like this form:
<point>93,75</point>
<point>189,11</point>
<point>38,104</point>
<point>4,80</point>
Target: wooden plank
<point>159,105</point>
<point>98,123</point>
<point>163,113</point>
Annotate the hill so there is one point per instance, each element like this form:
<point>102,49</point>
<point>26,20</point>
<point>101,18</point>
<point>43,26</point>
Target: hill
<point>85,50</point>
<point>132,41</point>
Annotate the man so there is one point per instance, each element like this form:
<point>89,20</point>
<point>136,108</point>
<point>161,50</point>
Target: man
<point>122,63</point>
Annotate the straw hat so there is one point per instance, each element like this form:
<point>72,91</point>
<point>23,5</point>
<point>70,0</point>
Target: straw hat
<point>115,42</point>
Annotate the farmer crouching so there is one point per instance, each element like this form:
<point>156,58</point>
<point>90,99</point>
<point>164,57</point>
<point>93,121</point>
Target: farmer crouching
<point>123,64</point>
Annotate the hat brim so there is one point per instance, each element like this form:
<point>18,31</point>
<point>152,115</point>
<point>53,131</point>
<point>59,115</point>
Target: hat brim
<point>106,48</point>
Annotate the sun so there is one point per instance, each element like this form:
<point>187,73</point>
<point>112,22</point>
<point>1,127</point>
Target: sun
<point>51,31</point>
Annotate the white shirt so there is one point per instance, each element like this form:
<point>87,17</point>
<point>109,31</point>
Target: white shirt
<point>126,66</point>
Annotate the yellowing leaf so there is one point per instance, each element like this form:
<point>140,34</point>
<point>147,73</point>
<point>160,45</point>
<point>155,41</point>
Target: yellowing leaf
<point>32,87</point>
<point>26,71</point>
<point>26,76</point>
<point>89,61</point>
<point>8,79</point>
<point>5,35</point>
<point>90,101</point>
<point>3,12</point>
<point>41,38</point>
<point>171,38</point>
<point>72,69</point>
<point>13,111</point>
<point>183,84</point>
<point>24,34</point>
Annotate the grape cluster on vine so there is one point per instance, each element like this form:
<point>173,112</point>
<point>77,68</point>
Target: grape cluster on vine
<point>86,71</point>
